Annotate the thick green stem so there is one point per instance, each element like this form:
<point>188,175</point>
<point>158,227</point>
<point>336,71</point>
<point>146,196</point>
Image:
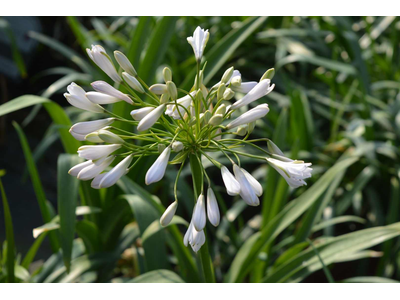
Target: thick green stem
<point>197,175</point>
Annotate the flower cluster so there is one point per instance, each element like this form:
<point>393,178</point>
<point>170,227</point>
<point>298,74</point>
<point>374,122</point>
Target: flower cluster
<point>187,124</point>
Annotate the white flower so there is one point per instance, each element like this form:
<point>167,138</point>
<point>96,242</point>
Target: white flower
<point>138,114</point>
<point>77,136</point>
<point>116,173</point>
<point>97,151</point>
<point>199,41</point>
<point>77,97</point>
<point>244,87</point>
<point>105,88</point>
<point>199,215</point>
<point>247,191</point>
<point>157,170</point>
<point>159,88</point>
<point>274,149</point>
<point>92,137</point>
<point>257,187</point>
<point>100,98</point>
<point>177,146</point>
<point>85,128</point>
<point>103,61</point>
<point>133,82</point>
<point>212,208</point>
<point>231,184</point>
<point>124,62</point>
<point>195,238</point>
<point>151,118</point>
<point>177,111</point>
<point>294,171</point>
<point>168,214</point>
<point>96,181</point>
<point>95,168</point>
<point>109,137</point>
<point>261,89</point>
<point>249,116</point>
<point>74,171</point>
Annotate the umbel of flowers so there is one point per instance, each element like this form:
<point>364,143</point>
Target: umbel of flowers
<point>182,124</point>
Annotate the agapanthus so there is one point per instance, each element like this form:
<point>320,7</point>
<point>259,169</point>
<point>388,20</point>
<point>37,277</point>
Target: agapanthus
<point>178,126</point>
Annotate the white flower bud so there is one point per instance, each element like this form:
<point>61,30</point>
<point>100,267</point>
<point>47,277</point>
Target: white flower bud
<point>133,82</point>
<point>228,94</point>
<point>269,74</point>
<point>74,171</point>
<point>227,75</point>
<point>157,170</point>
<point>294,172</point>
<point>103,61</point>
<point>257,187</point>
<point>212,208</point>
<point>167,74</point>
<point>97,151</point>
<point>164,98</point>
<point>116,173</point>
<point>207,116</point>
<point>151,118</point>
<point>138,114</point>
<point>85,128</point>
<point>124,62</point>
<point>221,110</point>
<point>242,130</point>
<point>198,42</point>
<point>199,215</point>
<point>244,87</point>
<point>260,90</point>
<point>172,91</point>
<point>236,81</point>
<point>274,149</point>
<point>110,137</point>
<point>221,91</point>
<point>95,168</point>
<point>96,181</point>
<point>231,184</point>
<point>177,146</point>
<point>246,190</point>
<point>77,97</point>
<point>93,137</point>
<point>177,111</point>
<point>250,116</point>
<point>100,98</point>
<point>105,88</point>
<point>159,88</point>
<point>216,120</point>
<point>169,213</point>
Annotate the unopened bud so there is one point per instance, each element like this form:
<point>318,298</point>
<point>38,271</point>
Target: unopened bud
<point>269,74</point>
<point>159,88</point>
<point>221,110</point>
<point>124,62</point>
<point>242,130</point>
<point>133,82</point>
<point>172,91</point>
<point>227,75</point>
<point>252,125</point>
<point>201,79</point>
<point>221,91</point>
<point>216,120</point>
<point>164,98</point>
<point>274,149</point>
<point>207,116</point>
<point>177,146</point>
<point>228,94</point>
<point>93,138</point>
<point>110,137</point>
<point>236,81</point>
<point>167,74</point>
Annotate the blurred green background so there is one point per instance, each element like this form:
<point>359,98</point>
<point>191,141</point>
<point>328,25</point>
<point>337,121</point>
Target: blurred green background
<point>336,96</point>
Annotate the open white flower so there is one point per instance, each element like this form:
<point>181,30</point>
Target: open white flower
<point>231,184</point>
<point>95,168</point>
<point>97,151</point>
<point>85,128</point>
<point>199,41</point>
<point>247,191</point>
<point>105,88</point>
<point>151,118</point>
<point>257,187</point>
<point>212,208</point>
<point>244,87</point>
<point>74,171</point>
<point>77,97</point>
<point>116,173</point>
<point>103,61</point>
<point>261,89</point>
<point>294,172</point>
<point>195,238</point>
<point>199,215</point>
<point>157,170</point>
<point>176,111</point>
<point>250,116</point>
<point>169,213</point>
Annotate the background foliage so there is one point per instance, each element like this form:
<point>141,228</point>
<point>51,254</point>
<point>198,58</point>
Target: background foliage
<point>336,104</point>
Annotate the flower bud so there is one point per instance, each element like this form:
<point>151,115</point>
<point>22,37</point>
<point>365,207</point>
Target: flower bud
<point>236,81</point>
<point>76,96</point>
<point>212,208</point>
<point>151,118</point>
<point>100,57</point>
<point>159,88</point>
<point>251,127</point>
<point>169,213</point>
<point>231,184</point>
<point>252,115</point>
<point>228,94</point>
<point>138,114</point>
<point>242,130</point>
<point>221,109</point>
<point>133,82</point>
<point>221,91</point>
<point>167,74</point>
<point>105,88</point>
<point>198,42</point>
<point>95,168</point>
<point>199,215</point>
<point>227,75</point>
<point>164,98</point>
<point>116,173</point>
<point>97,151</point>
<point>157,170</point>
<point>100,98</point>
<point>269,74</point>
<point>161,148</point>
<point>177,146</point>
<point>124,62</point>
<point>172,91</point>
<point>207,116</point>
<point>274,149</point>
<point>216,120</point>
<point>110,137</point>
<point>93,138</point>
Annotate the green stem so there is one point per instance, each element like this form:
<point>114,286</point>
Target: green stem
<point>197,175</point>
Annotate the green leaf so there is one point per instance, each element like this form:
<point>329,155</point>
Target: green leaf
<point>241,265</point>
<point>338,220</point>
<point>37,185</point>
<point>369,279</point>
<point>10,256</point>
<point>30,255</point>
<point>158,276</point>
<point>67,190</point>
<point>90,235</point>
<point>155,227</point>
